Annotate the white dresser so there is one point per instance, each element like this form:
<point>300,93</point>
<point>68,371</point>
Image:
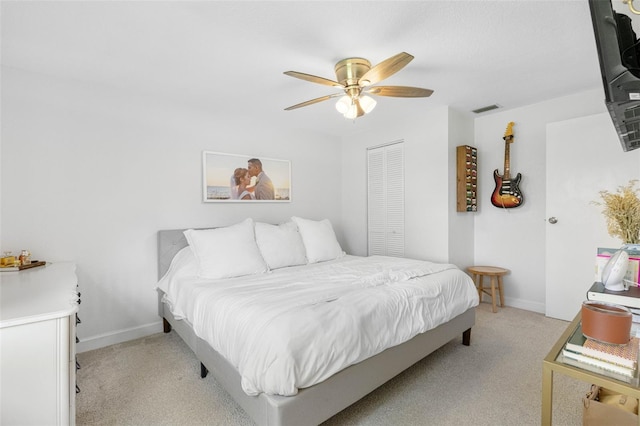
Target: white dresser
<point>37,345</point>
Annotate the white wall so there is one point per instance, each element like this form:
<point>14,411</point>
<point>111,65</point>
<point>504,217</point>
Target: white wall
<point>89,174</point>
<point>515,238</point>
<point>461,224</point>
<point>429,156</point>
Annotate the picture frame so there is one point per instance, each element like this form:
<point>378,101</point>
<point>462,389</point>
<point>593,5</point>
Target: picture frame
<point>233,178</point>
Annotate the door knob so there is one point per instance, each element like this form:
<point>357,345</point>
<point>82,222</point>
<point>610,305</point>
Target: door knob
<point>553,220</point>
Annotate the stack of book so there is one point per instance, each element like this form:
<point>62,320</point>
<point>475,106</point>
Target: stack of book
<point>629,298</point>
<point>617,361</point>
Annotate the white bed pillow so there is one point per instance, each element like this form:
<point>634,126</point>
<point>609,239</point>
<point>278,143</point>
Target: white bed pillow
<point>319,240</point>
<point>226,252</point>
<point>280,245</point>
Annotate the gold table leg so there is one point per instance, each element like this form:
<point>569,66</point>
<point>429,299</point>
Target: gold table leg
<point>547,394</point>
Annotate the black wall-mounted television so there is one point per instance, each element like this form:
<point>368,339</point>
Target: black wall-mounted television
<point>618,54</point>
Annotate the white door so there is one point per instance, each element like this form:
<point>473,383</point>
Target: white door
<point>583,158</point>
<point>385,200</point>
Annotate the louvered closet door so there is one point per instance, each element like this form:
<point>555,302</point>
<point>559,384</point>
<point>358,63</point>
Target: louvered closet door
<point>385,182</point>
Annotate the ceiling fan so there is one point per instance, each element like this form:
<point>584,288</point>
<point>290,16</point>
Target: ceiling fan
<point>357,78</point>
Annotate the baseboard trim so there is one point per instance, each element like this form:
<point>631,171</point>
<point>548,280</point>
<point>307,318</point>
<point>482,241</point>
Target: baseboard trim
<point>527,305</point>
<point>108,339</point>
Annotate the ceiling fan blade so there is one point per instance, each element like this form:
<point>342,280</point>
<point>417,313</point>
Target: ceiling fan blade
<point>385,69</point>
<point>314,101</point>
<point>399,91</point>
<point>313,78</point>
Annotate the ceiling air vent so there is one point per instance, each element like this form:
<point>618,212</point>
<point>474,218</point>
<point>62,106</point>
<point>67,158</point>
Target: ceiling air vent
<point>485,109</point>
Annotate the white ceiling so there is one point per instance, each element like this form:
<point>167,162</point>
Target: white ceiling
<point>229,57</point>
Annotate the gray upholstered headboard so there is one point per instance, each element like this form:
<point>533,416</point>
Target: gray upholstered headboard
<point>169,243</point>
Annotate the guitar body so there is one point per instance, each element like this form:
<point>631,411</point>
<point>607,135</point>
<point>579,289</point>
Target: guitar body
<point>507,193</point>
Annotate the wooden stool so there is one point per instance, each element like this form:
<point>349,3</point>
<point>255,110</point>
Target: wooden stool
<point>478,273</point>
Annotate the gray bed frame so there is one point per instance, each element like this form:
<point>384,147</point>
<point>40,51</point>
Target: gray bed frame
<point>317,403</point>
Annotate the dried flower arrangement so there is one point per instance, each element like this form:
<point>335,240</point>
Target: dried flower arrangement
<point>622,211</point>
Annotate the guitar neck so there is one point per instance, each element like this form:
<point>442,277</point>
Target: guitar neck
<point>507,164</point>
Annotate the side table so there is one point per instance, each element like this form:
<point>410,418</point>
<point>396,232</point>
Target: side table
<point>554,363</point>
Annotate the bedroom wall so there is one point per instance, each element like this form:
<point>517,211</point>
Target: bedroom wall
<point>515,238</point>
<point>90,174</point>
<point>431,230</point>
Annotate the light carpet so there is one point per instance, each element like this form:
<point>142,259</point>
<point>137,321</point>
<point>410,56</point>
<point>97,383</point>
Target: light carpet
<point>495,381</point>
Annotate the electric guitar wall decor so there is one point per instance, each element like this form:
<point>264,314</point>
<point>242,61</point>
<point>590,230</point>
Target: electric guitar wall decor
<point>507,195</point>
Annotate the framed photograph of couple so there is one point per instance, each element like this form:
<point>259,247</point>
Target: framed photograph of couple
<point>243,178</point>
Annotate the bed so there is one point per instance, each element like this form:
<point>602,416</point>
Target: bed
<point>194,306</point>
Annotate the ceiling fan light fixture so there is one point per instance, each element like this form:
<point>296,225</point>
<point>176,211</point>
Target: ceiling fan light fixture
<point>353,108</point>
<point>352,112</point>
<point>343,104</point>
<point>367,103</point>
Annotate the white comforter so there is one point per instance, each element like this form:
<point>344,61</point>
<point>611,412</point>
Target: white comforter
<point>295,327</point>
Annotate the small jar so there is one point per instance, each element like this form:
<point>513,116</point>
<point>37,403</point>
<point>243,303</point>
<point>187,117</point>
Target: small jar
<point>25,257</point>
<point>8,259</point>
